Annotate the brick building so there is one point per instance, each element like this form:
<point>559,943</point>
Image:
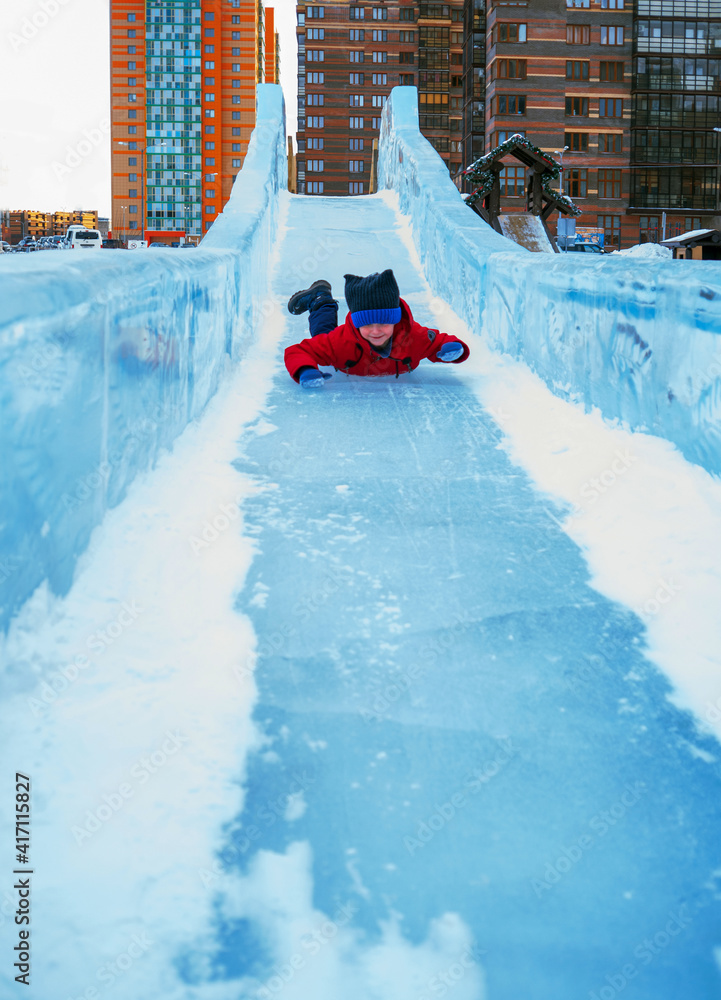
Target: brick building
<point>183,78</point>
<point>349,57</point>
<point>15,225</point>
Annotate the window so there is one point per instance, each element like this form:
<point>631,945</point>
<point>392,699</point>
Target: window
<point>577,69</point>
<point>235,19</point>
<point>513,181</point>
<point>380,36</point>
<point>132,192</point>
<point>315,142</point>
<point>235,163</point>
<point>316,166</point>
<point>456,147</point>
<point>133,145</point>
<point>356,56</point>
<point>356,79</point>
<point>210,209</point>
<point>355,187</point>
<point>380,79</point>
<point>210,177</point>
<point>610,107</point>
<point>380,57</point>
<point>375,123</point>
<point>235,147</point>
<point>315,55</point>
<point>356,13</point>
<point>315,187</point>
<point>380,14</point>
<point>610,142</point>
<point>315,99</point>
<point>316,78</point>
<point>235,67</point>
<point>611,72</point>
<point>355,123</point>
<point>504,136</point>
<point>209,16</point>
<point>131,32</point>
<point>456,81</point>
<point>406,14</point>
<point>210,145</point>
<point>407,36</point>
<point>131,52</point>
<point>611,225</point>
<point>132,98</point>
<point>210,32</point>
<point>314,121</point>
<point>132,113</point>
<point>575,183</point>
<point>131,17</point>
<point>508,32</point>
<point>611,34</point>
<point>235,51</point>
<point>378,100</point>
<point>235,98</point>
<point>355,166</point>
<point>132,129</point>
<point>406,57</point>
<point>210,193</point>
<point>209,64</point>
<point>355,145</point>
<point>235,84</point>
<point>131,66</point>
<point>406,80</point>
<point>208,96</point>
<point>578,34</point>
<point>315,33</point>
<point>509,69</point>
<point>235,131</point>
<point>236,116</point>
<point>612,4</point>
<point>355,100</point>
<point>609,183</point>
<point>357,34</point>
<point>209,49</point>
<point>210,161</point>
<point>577,142</point>
<point>577,106</point>
<point>209,113</point>
<point>315,11</point>
<point>132,162</point>
<point>133,209</point>
<point>510,104</point>
<point>132,177</point>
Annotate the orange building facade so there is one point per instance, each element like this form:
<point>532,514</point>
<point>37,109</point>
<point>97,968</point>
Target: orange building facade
<point>183,78</point>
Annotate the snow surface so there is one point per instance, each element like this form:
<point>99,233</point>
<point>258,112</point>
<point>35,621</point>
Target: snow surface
<point>397,677</point>
<point>651,250</point>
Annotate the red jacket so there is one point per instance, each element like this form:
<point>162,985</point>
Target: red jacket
<point>347,351</point>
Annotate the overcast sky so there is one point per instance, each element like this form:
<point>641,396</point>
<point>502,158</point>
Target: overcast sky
<point>55,101</point>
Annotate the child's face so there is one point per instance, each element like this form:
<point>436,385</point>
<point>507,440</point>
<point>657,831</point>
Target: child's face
<point>377,334</point>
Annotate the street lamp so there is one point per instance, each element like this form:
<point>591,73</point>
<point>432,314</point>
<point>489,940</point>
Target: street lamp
<point>143,150</point>
<point>122,229</point>
<point>560,152</point>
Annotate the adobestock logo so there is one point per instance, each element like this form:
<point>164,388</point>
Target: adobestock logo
<point>74,155</point>
<point>31,26</point>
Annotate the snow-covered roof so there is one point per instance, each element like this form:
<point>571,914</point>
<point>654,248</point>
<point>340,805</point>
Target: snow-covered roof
<point>690,235</point>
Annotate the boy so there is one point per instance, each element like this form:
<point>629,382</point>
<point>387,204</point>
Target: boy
<point>379,336</point>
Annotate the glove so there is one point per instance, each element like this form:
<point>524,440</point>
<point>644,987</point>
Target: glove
<point>311,378</point>
<point>449,351</point>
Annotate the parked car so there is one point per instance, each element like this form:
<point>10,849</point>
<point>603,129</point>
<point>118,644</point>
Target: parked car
<point>26,244</point>
<point>5,247</point>
<point>112,244</point>
<point>83,239</point>
<point>157,243</point>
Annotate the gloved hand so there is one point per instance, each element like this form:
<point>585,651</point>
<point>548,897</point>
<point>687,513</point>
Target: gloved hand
<point>449,351</point>
<point>311,378</point>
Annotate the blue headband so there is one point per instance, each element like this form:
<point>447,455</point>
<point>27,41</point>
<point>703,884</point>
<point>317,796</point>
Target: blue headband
<point>367,317</point>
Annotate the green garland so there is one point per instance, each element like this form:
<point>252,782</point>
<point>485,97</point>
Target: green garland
<point>480,174</point>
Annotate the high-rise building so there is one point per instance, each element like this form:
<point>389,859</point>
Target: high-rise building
<point>350,55</point>
<point>183,81</point>
<point>473,138</point>
<point>676,111</point>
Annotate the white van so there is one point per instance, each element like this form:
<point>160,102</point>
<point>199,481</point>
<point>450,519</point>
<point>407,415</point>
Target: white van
<point>79,236</point>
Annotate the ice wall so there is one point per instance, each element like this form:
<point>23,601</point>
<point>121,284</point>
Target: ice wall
<point>639,339</point>
<point>105,358</point>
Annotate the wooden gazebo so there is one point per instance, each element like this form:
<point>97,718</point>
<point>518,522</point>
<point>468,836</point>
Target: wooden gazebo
<point>541,198</point>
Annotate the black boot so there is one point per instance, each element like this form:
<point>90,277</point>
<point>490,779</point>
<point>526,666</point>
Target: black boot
<point>303,300</point>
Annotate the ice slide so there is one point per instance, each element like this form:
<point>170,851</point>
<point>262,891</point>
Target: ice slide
<point>396,690</point>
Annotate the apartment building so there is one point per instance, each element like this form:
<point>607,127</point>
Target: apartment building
<point>559,72</point>
<point>349,57</point>
<point>183,78</point>
<point>16,225</point>
<point>473,140</point>
<point>676,111</point>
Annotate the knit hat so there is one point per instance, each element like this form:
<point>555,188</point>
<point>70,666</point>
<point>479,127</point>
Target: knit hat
<point>374,299</point>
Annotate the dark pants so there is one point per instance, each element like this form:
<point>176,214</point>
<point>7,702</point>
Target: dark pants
<point>323,319</point>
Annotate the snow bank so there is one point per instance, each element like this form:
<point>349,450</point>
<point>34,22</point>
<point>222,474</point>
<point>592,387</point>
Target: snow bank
<point>104,359</point>
<point>637,339</point>
<point>651,250</point>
